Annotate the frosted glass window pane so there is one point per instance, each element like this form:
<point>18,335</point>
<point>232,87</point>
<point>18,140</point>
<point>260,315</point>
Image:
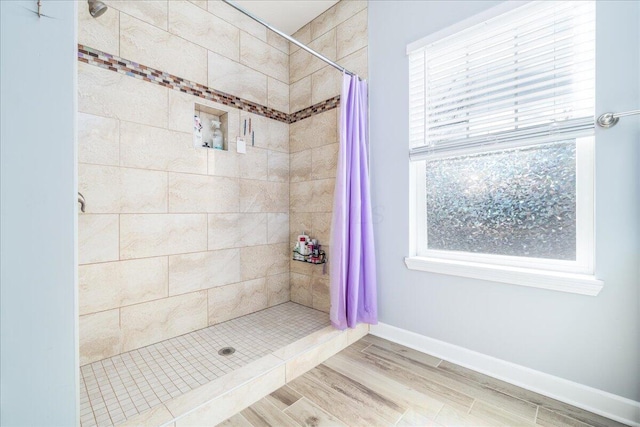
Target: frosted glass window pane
<point>518,202</point>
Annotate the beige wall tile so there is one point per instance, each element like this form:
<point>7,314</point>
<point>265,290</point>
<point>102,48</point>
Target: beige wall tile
<point>322,227</point>
<point>278,165</point>
<point>101,34</point>
<point>270,134</point>
<point>153,47</point>
<point>320,293</point>
<point>259,55</point>
<point>198,193</point>
<point>237,230</point>
<point>300,94</point>
<point>236,79</point>
<point>277,41</point>
<point>203,270</point>
<point>263,196</point>
<point>263,260</point>
<point>351,35</point>
<point>357,62</point>
<point>304,268</point>
<point>259,126</point>
<point>301,291</point>
<point>218,410</point>
<point>278,228</point>
<point>325,84</point>
<point>100,336</point>
<point>314,131</point>
<point>238,299</point>
<point>312,196</point>
<point>98,238</point>
<point>300,166</point>
<point>105,93</point>
<point>299,222</point>
<point>181,111</point>
<point>232,16</point>
<point>149,147</point>
<point>254,164</point>
<point>98,140</point>
<point>278,136</point>
<point>224,162</point>
<point>302,63</point>
<point>205,29</point>
<point>278,290</point>
<point>277,95</point>
<point>337,14</point>
<point>233,119</point>
<point>301,197</point>
<point>154,321</point>
<point>153,12</point>
<point>324,161</point>
<point>109,189</point>
<point>224,231</point>
<point>325,44</point>
<point>114,284</point>
<point>323,195</point>
<point>155,235</point>
<point>303,35</point>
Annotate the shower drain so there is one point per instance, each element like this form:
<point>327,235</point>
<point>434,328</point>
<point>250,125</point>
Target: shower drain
<point>226,351</point>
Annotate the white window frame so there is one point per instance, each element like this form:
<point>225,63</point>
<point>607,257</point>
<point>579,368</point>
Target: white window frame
<point>567,276</point>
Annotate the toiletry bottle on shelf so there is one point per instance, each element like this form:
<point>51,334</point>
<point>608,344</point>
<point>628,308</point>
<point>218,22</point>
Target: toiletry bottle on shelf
<point>197,132</point>
<point>310,251</point>
<point>302,249</point>
<point>218,140</point>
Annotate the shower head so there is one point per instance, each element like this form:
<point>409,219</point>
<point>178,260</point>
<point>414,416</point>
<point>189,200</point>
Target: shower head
<point>96,8</point>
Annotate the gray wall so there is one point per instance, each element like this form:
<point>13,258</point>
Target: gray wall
<point>589,340</point>
<point>38,356</point>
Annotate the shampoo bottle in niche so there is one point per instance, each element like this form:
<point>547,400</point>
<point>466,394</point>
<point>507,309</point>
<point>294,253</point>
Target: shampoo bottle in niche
<point>197,132</point>
<point>218,140</point>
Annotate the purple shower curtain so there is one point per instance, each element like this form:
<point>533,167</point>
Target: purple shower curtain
<point>353,261</point>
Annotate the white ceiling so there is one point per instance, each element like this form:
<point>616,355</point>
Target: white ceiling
<point>287,16</point>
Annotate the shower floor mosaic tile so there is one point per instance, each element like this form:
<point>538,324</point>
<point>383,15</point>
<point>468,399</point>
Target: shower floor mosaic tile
<point>117,388</point>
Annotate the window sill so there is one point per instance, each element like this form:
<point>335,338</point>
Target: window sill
<point>583,284</point>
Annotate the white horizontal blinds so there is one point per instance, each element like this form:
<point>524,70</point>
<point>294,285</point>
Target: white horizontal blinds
<point>417,120</point>
<point>524,74</point>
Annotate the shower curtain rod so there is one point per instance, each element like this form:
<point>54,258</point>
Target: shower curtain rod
<point>291,39</point>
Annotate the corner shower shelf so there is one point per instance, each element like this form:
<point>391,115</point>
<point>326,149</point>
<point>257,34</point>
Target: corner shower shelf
<point>308,259</point>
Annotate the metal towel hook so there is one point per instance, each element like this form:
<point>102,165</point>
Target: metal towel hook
<point>81,201</point>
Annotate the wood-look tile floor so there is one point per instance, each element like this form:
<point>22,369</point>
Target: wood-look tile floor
<point>375,382</point>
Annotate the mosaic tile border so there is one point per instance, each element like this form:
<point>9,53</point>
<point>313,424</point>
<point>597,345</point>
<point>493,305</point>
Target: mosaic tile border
<point>124,66</point>
<point>321,107</point>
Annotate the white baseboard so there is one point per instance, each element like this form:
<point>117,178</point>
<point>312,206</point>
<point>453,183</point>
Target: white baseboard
<point>593,400</point>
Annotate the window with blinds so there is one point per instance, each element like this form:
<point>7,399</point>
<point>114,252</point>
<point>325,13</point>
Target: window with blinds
<point>501,120</point>
<point>526,74</point>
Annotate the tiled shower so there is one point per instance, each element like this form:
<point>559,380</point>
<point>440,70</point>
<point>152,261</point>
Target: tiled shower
<point>178,243</point>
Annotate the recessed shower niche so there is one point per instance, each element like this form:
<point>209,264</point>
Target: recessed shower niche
<point>210,128</point>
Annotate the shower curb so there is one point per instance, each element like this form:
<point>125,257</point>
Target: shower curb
<point>223,397</point>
